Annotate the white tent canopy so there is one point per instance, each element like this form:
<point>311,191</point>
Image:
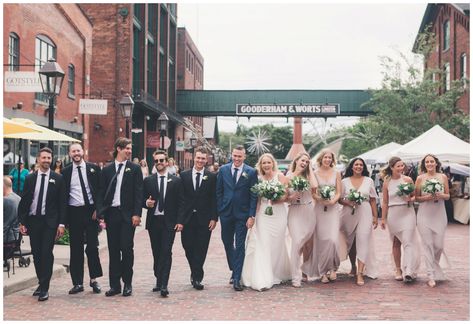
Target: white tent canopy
<point>380,154</point>
<point>437,141</point>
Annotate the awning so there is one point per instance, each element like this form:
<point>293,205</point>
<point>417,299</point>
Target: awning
<point>40,133</point>
<point>10,127</point>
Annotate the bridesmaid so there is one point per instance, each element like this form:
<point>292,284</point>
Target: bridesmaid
<point>432,217</point>
<point>324,259</point>
<point>301,217</point>
<point>357,228</point>
<point>401,221</point>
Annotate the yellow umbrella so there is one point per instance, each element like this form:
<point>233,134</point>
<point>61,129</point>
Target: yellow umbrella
<point>11,127</point>
<point>41,133</point>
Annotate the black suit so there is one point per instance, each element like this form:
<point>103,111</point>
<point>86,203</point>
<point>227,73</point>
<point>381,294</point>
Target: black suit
<point>42,228</point>
<point>79,219</point>
<point>200,208</point>
<point>120,231</point>
<point>161,228</point>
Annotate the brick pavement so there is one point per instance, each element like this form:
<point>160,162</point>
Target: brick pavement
<point>381,299</point>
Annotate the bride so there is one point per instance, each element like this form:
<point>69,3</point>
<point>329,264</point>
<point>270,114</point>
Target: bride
<point>266,259</point>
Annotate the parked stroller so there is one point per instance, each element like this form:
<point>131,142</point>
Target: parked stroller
<point>12,249</point>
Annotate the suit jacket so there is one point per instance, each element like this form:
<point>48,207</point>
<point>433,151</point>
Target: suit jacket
<point>93,179</point>
<point>131,191</point>
<point>55,200</point>
<point>203,201</point>
<point>173,200</point>
<point>236,199</point>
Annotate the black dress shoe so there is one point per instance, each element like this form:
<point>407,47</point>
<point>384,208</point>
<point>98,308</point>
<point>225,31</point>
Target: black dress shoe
<point>76,289</point>
<point>127,290</point>
<point>197,285</point>
<point>37,292</point>
<point>230,281</point>
<point>237,286</point>
<point>96,287</point>
<point>113,292</point>
<point>164,291</point>
<point>44,295</point>
<point>408,279</point>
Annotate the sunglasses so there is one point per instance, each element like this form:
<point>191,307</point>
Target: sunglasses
<point>159,160</point>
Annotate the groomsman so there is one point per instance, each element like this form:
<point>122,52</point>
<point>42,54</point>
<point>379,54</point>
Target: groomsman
<point>163,196</point>
<point>200,207</point>
<point>123,184</point>
<point>84,200</point>
<point>42,213</point>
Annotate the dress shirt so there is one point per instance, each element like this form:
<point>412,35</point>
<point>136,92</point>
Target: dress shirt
<point>240,171</point>
<point>116,196</point>
<point>76,198</point>
<point>194,175</point>
<point>36,192</point>
<point>157,212</point>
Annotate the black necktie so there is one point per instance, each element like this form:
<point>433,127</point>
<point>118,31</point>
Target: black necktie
<point>197,181</point>
<point>235,175</point>
<point>161,194</point>
<point>113,185</point>
<point>39,206</point>
<point>82,185</point>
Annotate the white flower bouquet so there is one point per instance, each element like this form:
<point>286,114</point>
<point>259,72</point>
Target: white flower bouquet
<point>356,197</point>
<point>432,186</point>
<point>271,190</point>
<point>327,193</point>
<point>405,189</point>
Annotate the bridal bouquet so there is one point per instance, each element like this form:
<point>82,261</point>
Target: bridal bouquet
<point>405,189</point>
<point>327,193</point>
<point>356,197</point>
<point>432,186</point>
<point>299,184</point>
<point>271,190</point>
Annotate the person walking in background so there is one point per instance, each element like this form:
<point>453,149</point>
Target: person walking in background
<point>144,168</point>
<point>122,200</point>
<point>173,169</point>
<point>42,215</point>
<point>431,216</point>
<point>359,220</point>
<point>84,200</point>
<point>58,166</point>
<point>301,216</point>
<point>236,206</point>
<point>200,209</point>
<point>11,200</point>
<point>16,175</point>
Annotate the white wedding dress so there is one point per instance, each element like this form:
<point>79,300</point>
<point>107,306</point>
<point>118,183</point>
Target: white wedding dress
<point>266,257</point>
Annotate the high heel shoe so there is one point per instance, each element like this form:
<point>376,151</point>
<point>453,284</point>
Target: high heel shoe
<point>398,275</point>
<point>332,275</point>
<point>359,279</point>
<point>431,283</point>
<point>324,279</point>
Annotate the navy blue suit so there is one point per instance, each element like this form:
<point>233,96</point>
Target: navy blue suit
<point>235,204</point>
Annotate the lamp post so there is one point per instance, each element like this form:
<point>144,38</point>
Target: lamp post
<point>51,77</point>
<point>163,121</point>
<point>126,107</point>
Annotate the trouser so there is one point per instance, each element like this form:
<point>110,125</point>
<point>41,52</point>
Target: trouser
<point>162,240</point>
<point>233,237</point>
<point>195,240</point>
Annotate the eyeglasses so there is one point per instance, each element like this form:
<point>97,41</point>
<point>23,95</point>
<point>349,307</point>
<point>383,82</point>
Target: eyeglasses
<point>159,160</point>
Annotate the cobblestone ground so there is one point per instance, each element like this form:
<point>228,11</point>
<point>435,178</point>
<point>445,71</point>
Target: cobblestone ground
<point>381,299</point>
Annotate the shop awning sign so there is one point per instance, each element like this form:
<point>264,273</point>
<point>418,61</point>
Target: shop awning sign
<point>16,81</point>
<point>93,106</point>
<point>288,110</point>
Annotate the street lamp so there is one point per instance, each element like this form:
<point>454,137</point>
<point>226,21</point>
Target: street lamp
<point>126,107</point>
<point>163,123</point>
<point>193,141</point>
<point>51,77</point>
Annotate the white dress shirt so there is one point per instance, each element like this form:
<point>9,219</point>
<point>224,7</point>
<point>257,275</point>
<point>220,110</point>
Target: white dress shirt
<point>240,171</point>
<point>157,212</point>
<point>116,196</point>
<point>36,192</point>
<point>76,198</point>
<point>194,175</point>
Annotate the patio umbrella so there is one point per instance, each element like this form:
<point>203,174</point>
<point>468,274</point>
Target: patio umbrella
<point>40,133</point>
<point>11,127</point>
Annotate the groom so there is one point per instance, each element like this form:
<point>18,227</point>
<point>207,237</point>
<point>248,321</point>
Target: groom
<point>236,206</point>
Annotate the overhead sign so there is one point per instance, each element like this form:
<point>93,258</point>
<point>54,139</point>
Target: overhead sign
<point>153,140</point>
<point>16,81</point>
<point>93,106</point>
<point>180,146</point>
<point>288,110</point>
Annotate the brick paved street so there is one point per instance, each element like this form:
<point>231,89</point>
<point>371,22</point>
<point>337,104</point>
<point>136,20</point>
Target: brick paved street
<point>381,299</point>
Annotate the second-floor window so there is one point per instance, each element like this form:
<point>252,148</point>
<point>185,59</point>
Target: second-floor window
<point>44,50</point>
<point>446,35</point>
<point>71,75</point>
<point>447,76</point>
<point>463,65</point>
<point>13,52</point>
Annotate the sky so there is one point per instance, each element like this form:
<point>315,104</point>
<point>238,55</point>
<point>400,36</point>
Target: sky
<point>298,46</point>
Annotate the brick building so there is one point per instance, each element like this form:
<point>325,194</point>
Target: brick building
<point>451,54</point>
<point>32,34</point>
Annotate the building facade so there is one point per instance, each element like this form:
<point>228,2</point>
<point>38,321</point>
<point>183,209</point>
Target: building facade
<point>451,53</point>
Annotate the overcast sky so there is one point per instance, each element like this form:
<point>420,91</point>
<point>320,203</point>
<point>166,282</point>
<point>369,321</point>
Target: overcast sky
<point>297,46</point>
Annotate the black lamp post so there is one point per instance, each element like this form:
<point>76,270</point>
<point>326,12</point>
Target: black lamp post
<point>126,107</point>
<point>51,76</point>
<point>163,121</point>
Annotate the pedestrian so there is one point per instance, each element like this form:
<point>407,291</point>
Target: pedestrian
<point>58,166</point>
<point>144,168</point>
<point>11,201</point>
<point>236,206</point>
<point>123,184</point>
<point>200,210</point>
<point>15,174</point>
<point>84,201</point>
<point>42,215</point>
<point>163,197</point>
<point>172,168</point>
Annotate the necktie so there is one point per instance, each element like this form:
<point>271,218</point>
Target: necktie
<point>161,194</point>
<point>112,187</point>
<point>197,181</point>
<point>39,206</point>
<point>235,175</point>
<point>82,185</point>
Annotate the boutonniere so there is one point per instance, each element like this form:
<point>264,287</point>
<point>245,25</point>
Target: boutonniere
<point>169,180</point>
<point>92,171</point>
<point>205,177</point>
<point>127,170</point>
<point>52,181</point>
<point>244,175</point>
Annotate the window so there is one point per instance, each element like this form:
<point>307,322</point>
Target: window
<point>463,75</point>
<point>163,78</point>
<point>446,35</point>
<point>44,51</point>
<point>447,76</point>
<point>71,74</point>
<point>13,52</point>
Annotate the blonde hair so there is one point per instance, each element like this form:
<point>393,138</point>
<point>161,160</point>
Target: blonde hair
<point>387,172</point>
<point>308,169</point>
<point>259,167</point>
<point>321,155</point>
